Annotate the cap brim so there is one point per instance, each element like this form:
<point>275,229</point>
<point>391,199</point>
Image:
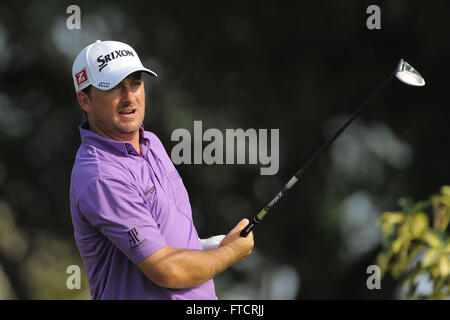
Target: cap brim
<point>119,75</point>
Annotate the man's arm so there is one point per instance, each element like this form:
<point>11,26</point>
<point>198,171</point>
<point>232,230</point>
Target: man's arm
<point>184,268</point>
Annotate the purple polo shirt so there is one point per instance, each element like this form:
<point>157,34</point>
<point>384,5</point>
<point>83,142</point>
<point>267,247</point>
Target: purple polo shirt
<point>126,206</point>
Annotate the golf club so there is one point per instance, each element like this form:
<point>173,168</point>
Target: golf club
<point>404,72</point>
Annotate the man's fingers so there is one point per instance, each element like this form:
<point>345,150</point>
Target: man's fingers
<point>242,224</point>
<point>238,228</point>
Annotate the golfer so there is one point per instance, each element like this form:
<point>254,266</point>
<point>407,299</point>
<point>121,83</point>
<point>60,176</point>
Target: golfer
<point>130,210</point>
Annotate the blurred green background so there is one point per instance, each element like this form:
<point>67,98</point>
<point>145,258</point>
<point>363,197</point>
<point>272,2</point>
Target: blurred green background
<point>298,66</point>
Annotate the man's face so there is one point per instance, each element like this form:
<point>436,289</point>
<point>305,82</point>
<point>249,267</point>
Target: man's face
<point>117,113</point>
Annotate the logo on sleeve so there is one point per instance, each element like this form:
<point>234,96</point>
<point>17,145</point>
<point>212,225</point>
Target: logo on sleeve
<point>81,77</point>
<point>133,238</point>
<point>149,191</point>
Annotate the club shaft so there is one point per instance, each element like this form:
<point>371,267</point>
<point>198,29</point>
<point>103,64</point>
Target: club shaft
<point>258,218</point>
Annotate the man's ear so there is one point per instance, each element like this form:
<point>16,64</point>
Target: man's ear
<point>84,101</point>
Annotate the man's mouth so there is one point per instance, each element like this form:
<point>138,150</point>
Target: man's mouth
<point>127,112</point>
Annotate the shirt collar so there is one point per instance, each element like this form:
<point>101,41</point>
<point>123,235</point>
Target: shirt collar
<point>118,147</point>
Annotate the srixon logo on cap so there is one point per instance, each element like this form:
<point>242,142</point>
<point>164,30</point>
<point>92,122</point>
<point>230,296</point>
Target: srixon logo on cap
<point>103,60</point>
<point>81,77</point>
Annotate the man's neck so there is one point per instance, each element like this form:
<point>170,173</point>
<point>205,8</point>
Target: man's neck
<point>132,138</point>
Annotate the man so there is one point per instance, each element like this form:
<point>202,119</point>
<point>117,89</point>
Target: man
<point>130,210</point>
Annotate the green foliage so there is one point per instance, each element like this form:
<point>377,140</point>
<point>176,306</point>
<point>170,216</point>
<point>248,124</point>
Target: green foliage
<point>416,241</point>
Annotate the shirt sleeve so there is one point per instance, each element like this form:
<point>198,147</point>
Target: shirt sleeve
<point>121,214</point>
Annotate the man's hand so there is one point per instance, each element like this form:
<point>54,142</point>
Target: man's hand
<point>240,247</point>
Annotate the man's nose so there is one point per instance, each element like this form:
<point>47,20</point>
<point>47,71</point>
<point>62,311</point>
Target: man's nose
<point>128,94</point>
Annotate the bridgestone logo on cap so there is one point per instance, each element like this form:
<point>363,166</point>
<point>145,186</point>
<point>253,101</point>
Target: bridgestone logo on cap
<point>81,77</point>
<point>103,60</point>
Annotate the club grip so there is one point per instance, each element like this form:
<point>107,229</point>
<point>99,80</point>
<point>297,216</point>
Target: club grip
<point>249,227</point>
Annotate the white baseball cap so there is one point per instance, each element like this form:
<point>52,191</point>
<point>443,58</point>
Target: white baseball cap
<point>104,64</point>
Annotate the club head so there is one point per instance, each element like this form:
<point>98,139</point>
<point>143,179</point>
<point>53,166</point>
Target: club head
<point>407,74</point>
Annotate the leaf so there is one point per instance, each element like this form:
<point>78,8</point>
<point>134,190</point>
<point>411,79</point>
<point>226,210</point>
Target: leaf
<point>397,245</point>
<point>405,230</point>
<point>443,198</point>
<point>432,239</point>
<point>419,225</point>
<point>444,265</point>
<point>431,257</point>
<point>382,261</point>
<point>390,237</point>
<point>435,272</point>
<point>421,206</point>
<point>416,254</point>
<point>445,190</point>
<point>389,220</point>
<point>396,270</point>
<point>406,204</point>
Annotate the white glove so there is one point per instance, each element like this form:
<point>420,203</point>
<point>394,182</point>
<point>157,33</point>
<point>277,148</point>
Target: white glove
<point>211,243</point>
